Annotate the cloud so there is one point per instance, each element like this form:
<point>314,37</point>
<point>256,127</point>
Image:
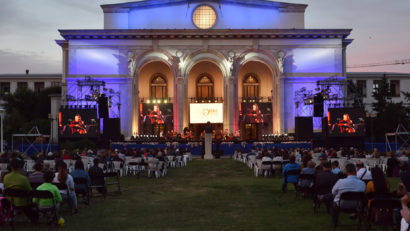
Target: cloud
<point>15,62</point>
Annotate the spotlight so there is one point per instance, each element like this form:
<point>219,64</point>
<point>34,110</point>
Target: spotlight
<point>154,101</point>
<point>148,101</point>
<point>165,101</point>
<point>159,101</point>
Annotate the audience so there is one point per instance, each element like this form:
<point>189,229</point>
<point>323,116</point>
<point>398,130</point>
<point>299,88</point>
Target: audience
<point>350,184</point>
<point>291,166</point>
<point>97,177</point>
<point>335,167</point>
<point>362,172</point>
<point>48,186</point>
<point>37,176</point>
<point>325,180</point>
<point>62,176</point>
<point>16,180</point>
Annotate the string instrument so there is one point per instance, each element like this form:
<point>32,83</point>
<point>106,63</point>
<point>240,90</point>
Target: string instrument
<point>346,126</point>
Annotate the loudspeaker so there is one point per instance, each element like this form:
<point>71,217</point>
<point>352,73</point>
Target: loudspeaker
<point>318,105</point>
<point>112,129</point>
<point>103,106</point>
<point>324,127</point>
<point>304,128</point>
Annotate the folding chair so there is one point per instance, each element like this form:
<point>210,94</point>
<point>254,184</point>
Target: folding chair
<point>46,211</point>
<point>35,185</point>
<point>350,202</point>
<point>382,212</point>
<point>306,190</point>
<point>112,178</point>
<point>117,167</point>
<point>12,193</point>
<point>323,194</point>
<point>61,187</point>
<point>291,173</point>
<point>266,168</point>
<point>81,187</point>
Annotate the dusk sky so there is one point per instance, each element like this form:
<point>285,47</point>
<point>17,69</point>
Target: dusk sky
<point>381,30</point>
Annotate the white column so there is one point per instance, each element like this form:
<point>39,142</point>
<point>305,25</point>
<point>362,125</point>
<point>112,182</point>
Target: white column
<point>55,107</point>
<point>135,104</point>
<point>232,104</point>
<point>179,101</point>
<point>64,73</point>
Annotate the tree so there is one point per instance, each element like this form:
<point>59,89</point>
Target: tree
<point>25,109</point>
<point>389,114</point>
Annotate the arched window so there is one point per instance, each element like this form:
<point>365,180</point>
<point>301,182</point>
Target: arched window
<point>250,86</point>
<point>158,87</point>
<point>204,86</point>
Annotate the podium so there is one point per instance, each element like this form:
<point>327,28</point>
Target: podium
<point>208,146</point>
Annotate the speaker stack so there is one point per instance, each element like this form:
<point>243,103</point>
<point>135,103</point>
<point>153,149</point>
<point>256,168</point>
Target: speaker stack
<point>304,128</point>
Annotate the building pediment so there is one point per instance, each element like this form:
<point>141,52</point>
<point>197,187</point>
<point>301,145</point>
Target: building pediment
<point>125,7</point>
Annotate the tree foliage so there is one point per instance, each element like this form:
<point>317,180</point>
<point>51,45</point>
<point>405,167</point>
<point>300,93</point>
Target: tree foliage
<point>389,113</point>
<point>25,109</point>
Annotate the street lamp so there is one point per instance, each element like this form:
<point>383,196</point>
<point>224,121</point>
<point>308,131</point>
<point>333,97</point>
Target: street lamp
<point>1,124</point>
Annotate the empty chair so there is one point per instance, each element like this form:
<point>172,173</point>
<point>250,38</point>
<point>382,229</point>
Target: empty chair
<point>112,178</point>
<point>266,168</point>
<point>382,212</point>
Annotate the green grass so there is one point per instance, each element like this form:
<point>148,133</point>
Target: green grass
<point>205,195</point>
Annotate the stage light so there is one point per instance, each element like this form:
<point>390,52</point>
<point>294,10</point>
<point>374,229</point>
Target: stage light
<point>159,101</point>
<point>154,101</point>
<point>165,101</point>
<point>148,101</point>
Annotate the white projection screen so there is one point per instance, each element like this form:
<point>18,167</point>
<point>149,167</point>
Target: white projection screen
<point>201,113</point>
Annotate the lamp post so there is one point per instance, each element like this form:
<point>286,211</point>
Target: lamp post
<point>1,124</point>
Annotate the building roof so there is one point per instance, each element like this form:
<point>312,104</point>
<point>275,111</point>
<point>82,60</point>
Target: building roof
<point>30,76</point>
<point>125,7</point>
<point>377,75</point>
<point>206,34</point>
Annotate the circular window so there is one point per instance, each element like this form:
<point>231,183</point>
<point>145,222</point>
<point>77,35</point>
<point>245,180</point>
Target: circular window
<point>204,17</point>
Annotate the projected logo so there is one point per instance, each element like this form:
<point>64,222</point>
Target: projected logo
<point>201,113</point>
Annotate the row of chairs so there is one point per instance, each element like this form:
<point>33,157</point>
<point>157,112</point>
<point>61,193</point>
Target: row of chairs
<point>261,168</point>
<point>382,210</point>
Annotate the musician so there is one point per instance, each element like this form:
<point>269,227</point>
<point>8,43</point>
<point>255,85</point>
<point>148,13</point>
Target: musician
<point>156,116</point>
<point>78,126</point>
<point>346,124</point>
<point>255,115</point>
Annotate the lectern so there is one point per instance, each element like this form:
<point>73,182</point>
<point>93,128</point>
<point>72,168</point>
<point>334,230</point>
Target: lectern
<point>208,142</point>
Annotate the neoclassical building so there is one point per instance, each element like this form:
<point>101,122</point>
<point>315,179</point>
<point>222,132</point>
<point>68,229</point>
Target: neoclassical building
<point>179,53</point>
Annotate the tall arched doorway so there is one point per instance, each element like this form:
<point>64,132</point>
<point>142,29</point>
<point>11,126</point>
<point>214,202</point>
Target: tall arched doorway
<point>255,87</point>
<point>205,94</point>
<point>155,106</point>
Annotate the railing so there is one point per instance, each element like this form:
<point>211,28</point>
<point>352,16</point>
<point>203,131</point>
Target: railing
<point>206,100</point>
<point>156,100</point>
<point>256,99</point>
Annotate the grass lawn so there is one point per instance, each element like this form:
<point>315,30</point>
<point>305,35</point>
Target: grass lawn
<point>205,195</point>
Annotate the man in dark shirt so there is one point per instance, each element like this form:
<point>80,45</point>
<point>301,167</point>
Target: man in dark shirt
<point>97,177</point>
<point>325,180</point>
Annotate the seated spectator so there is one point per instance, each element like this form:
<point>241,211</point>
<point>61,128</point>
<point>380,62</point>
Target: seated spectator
<point>378,186</point>
<point>350,184</point>
<point>323,160</point>
<point>67,156</point>
<point>2,183</point>
<point>335,167</point>
<point>362,172</point>
<point>325,180</point>
<point>16,180</point>
<point>62,176</point>
<point>37,176</point>
<point>79,172</point>
<point>97,177</point>
<point>310,170</point>
<point>48,186</point>
<point>376,153</point>
<point>290,167</point>
<point>393,165</point>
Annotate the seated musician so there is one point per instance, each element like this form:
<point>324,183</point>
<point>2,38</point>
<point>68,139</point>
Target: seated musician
<point>346,125</point>
<point>156,116</point>
<point>78,125</point>
<point>255,115</point>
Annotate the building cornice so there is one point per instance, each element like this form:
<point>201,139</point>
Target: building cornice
<point>125,7</point>
<point>207,34</point>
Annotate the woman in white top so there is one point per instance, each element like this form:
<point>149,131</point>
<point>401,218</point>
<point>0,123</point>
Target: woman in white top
<point>62,176</point>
